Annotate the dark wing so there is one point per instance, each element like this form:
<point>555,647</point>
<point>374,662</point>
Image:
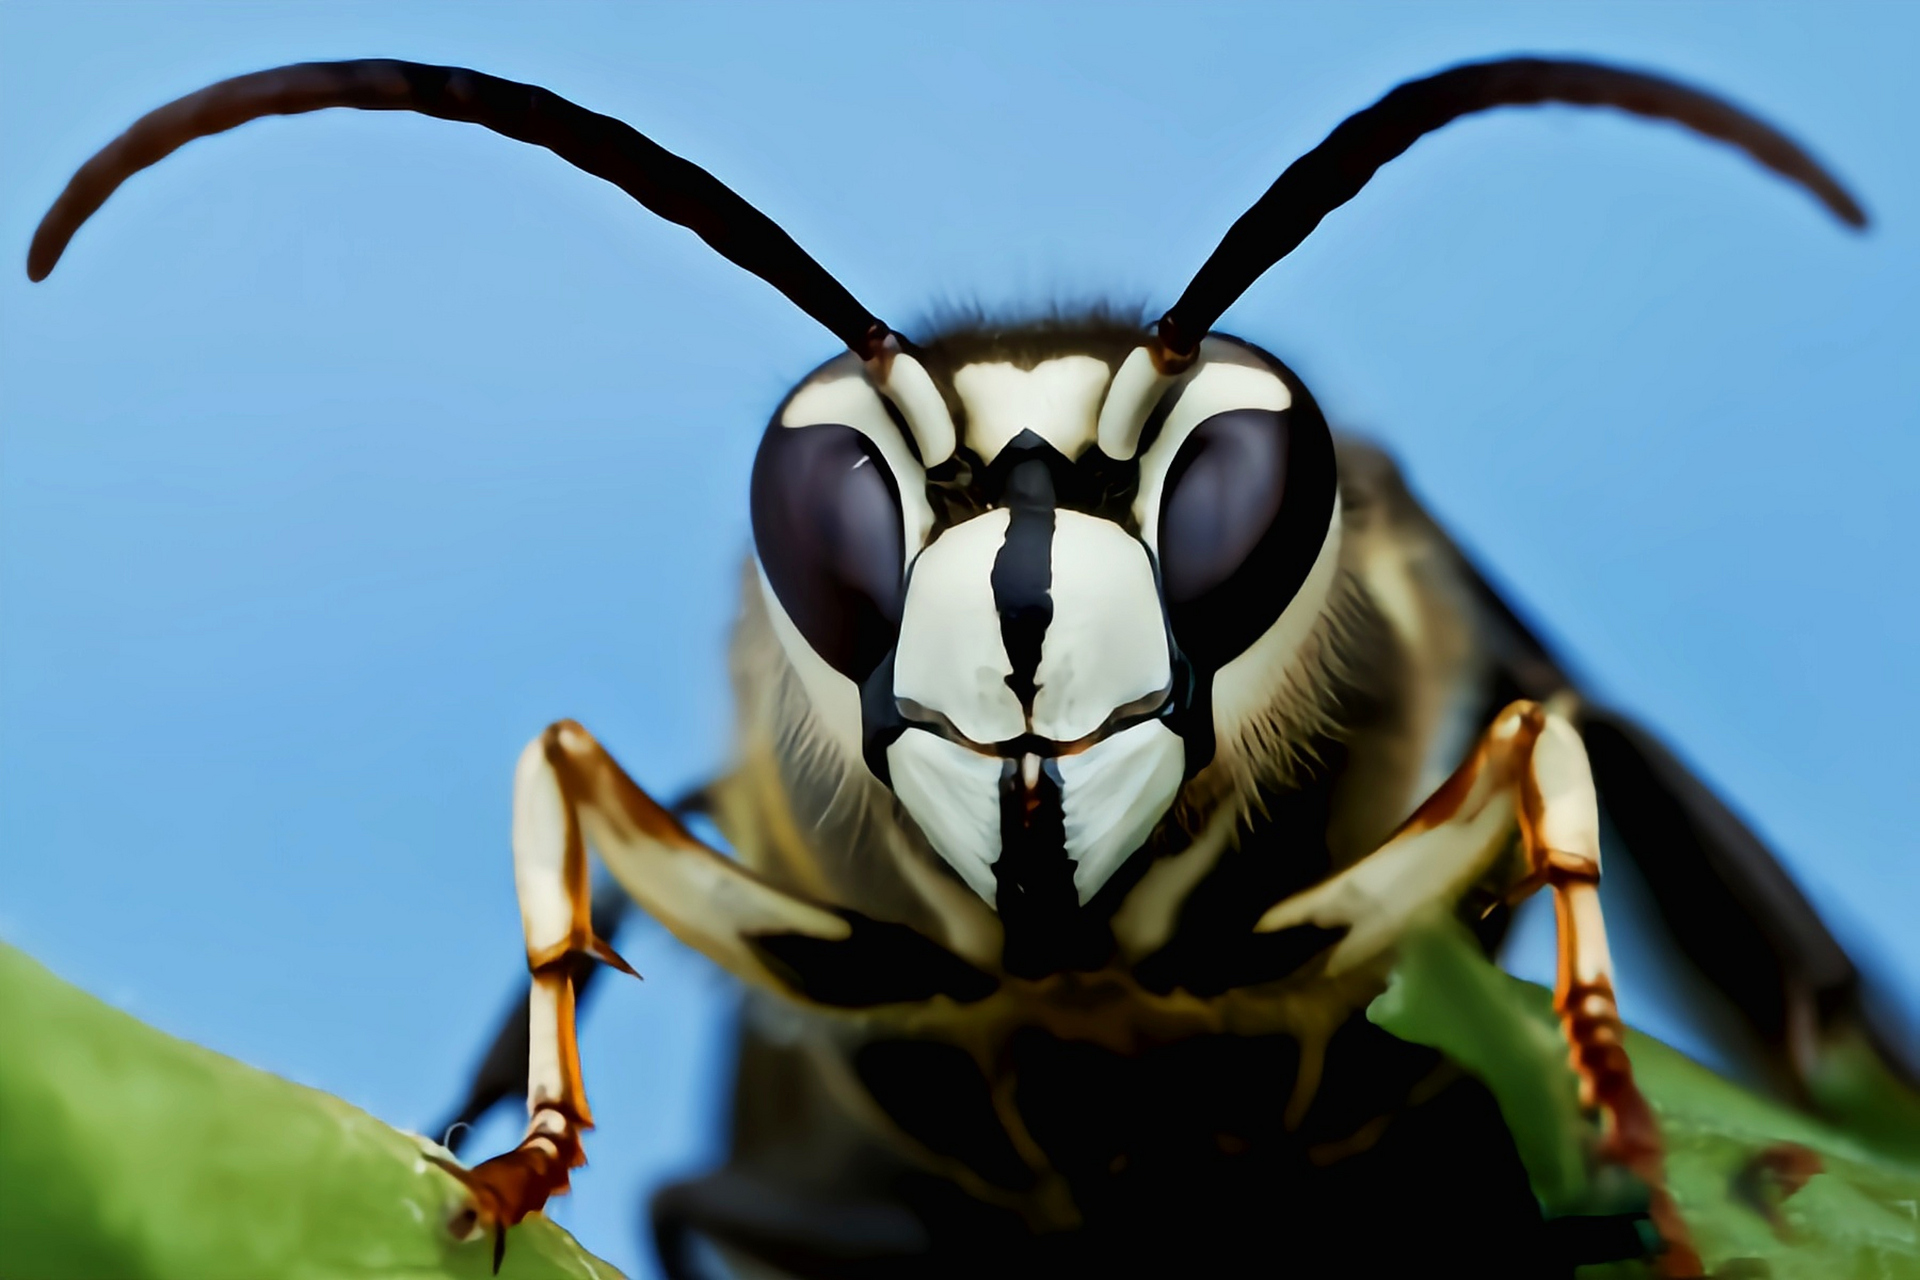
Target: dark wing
<point>1720,896</point>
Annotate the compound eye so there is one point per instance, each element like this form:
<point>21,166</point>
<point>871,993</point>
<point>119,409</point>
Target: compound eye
<point>1247,504</point>
<point>827,526</point>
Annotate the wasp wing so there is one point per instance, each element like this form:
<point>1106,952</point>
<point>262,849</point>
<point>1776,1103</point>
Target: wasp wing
<point>1719,895</point>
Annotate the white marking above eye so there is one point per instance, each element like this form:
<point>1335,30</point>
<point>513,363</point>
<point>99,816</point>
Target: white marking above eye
<point>1229,377</point>
<point>1058,400</point>
<point>1136,389</point>
<point>849,400</point>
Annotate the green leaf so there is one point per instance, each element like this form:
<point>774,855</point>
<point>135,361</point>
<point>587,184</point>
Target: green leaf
<point>1444,994</point>
<point>1857,1219</point>
<point>127,1153</point>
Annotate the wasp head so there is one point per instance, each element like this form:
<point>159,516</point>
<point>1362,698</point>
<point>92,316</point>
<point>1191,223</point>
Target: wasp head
<point>1035,642</point>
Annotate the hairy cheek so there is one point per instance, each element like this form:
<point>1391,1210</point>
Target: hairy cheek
<point>1248,689</point>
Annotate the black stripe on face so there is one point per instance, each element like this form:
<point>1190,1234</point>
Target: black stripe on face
<point>1036,898</point>
<point>1023,574</point>
<point>1046,931</point>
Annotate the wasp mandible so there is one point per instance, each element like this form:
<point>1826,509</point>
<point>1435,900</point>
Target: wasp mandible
<point>1106,721</point>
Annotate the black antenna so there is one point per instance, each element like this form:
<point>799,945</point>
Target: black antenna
<point>676,189</point>
<point>1334,172</point>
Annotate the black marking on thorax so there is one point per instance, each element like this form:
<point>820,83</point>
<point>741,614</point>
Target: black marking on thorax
<point>1179,1159</point>
<point>878,962</point>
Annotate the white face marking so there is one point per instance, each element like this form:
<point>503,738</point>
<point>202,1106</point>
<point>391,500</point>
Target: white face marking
<point>1227,377</point>
<point>1112,794</point>
<point>1104,647</point>
<point>919,402</point>
<point>951,658</point>
<point>850,400</point>
<point>1058,400</point>
<point>954,794</point>
<point>1107,644</point>
<point>1136,389</point>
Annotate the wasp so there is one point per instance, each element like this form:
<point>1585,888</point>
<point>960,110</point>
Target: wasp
<point>1106,722</point>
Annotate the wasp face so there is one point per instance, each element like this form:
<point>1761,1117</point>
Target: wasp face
<point>1032,642</point>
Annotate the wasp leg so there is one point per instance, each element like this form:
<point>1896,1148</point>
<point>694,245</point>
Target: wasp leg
<point>569,795</point>
<point>1780,991</point>
<point>1530,772</point>
<point>1460,839</point>
<point>502,1070</point>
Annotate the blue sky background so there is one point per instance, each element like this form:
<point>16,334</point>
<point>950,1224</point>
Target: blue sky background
<point>343,453</point>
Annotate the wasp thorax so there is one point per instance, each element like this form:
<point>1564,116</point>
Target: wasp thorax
<point>1023,642</point>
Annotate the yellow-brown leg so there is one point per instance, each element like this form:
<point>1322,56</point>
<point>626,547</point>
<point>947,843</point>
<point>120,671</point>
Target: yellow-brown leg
<point>1528,769</point>
<point>569,794</point>
<point>1560,831</point>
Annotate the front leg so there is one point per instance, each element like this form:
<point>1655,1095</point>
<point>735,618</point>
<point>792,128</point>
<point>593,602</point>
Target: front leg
<point>1530,772</point>
<point>569,795</point>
